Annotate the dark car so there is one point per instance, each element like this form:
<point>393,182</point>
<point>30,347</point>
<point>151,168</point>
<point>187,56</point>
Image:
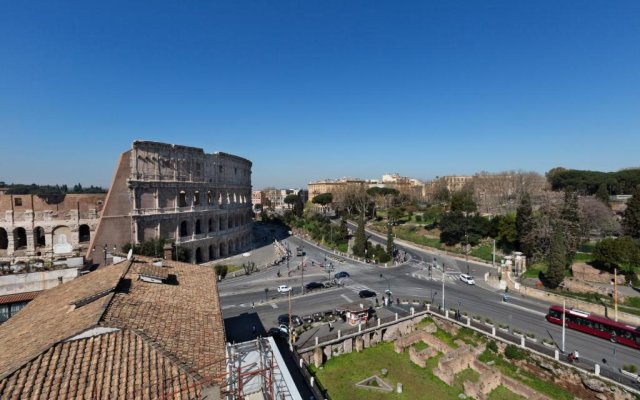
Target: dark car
<point>278,333</point>
<point>367,293</point>
<point>284,320</point>
<point>313,285</point>
<point>342,274</point>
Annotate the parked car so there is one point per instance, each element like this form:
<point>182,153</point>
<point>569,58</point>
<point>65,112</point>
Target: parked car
<point>300,251</point>
<point>367,293</point>
<point>279,333</point>
<point>468,279</point>
<point>342,274</point>
<point>283,319</point>
<point>284,289</point>
<point>313,285</point>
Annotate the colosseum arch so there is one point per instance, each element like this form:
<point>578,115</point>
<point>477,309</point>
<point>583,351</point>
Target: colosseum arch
<point>198,255</point>
<point>182,199</point>
<point>198,227</point>
<point>210,225</point>
<point>212,254</point>
<point>19,238</point>
<point>38,236</point>
<point>84,233</point>
<point>4,239</point>
<point>184,229</point>
<point>223,249</point>
<point>62,240</point>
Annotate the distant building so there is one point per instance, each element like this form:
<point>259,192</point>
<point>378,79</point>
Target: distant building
<point>199,201</point>
<point>409,186</point>
<point>274,198</point>
<point>258,198</point>
<point>113,333</point>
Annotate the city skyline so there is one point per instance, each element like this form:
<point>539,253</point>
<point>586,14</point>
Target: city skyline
<point>310,91</point>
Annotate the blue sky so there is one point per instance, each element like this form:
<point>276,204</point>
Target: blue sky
<point>320,89</point>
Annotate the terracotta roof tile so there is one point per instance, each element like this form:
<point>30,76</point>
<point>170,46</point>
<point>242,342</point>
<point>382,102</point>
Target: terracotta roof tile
<point>170,341</point>
<point>50,318</point>
<point>14,298</point>
<point>79,365</point>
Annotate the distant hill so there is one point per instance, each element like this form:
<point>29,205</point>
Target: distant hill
<point>18,188</point>
<point>588,182</point>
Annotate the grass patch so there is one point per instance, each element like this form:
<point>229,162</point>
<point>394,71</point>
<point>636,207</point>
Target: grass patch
<point>534,270</point>
<point>417,237</point>
<point>583,258</point>
<point>425,322</point>
<point>502,393</point>
<point>340,374</point>
<point>445,337</point>
<point>484,252</point>
<point>465,375</point>
<point>419,346</point>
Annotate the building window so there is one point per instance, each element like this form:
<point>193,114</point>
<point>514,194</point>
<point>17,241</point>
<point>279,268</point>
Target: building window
<point>17,202</point>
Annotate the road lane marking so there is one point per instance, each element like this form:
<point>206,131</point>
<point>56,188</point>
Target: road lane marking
<point>274,305</point>
<point>540,313</point>
<point>346,298</point>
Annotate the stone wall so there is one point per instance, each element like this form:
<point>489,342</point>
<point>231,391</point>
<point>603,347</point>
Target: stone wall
<point>453,362</point>
<point>588,273</point>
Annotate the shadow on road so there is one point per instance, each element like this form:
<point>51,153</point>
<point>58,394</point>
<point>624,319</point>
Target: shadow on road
<point>243,327</point>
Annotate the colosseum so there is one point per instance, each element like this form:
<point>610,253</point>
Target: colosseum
<point>200,202</point>
<point>47,226</point>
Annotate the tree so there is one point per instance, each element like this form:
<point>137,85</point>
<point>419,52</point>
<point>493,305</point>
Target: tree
<point>631,216</point>
<point>596,217</point>
<point>508,232</point>
<point>569,224</point>
<point>603,193</point>
<point>298,207</point>
<point>359,238</point>
<point>557,260</point>
<point>323,199</point>
<point>523,220</point>
<point>463,201</point>
<point>291,199</point>
<point>623,253</point>
<point>389,240</point>
<point>452,228</point>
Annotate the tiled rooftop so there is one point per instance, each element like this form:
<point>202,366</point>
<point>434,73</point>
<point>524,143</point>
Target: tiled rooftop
<point>168,340</point>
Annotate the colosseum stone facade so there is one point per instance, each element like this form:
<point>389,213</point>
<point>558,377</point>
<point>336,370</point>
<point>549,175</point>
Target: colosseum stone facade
<point>47,226</point>
<point>199,201</point>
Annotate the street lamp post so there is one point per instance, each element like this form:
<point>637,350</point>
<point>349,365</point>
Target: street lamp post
<point>105,253</point>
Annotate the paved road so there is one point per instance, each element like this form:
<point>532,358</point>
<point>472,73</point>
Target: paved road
<point>410,280</point>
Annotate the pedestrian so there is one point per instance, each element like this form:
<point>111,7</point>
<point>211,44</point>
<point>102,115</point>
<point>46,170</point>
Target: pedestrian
<point>253,304</point>
<point>330,326</point>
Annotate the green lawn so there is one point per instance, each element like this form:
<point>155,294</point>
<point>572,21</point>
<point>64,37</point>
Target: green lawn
<point>419,346</point>
<point>502,393</point>
<point>340,374</point>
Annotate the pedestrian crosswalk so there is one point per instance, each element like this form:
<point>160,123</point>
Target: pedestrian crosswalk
<point>449,277</point>
<point>356,287</point>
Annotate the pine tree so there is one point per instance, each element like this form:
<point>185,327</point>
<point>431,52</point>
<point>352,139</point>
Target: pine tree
<point>631,216</point>
<point>524,218</point>
<point>557,260</point>
<point>359,238</point>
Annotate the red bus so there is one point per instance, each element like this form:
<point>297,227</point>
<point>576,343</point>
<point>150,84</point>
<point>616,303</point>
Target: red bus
<point>596,326</point>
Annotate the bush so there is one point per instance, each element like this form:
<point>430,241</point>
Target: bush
<point>221,270</point>
<point>630,368</point>
<point>513,352</point>
<point>493,346</point>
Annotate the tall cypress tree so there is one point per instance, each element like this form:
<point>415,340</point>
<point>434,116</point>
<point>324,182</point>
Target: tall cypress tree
<point>569,226</point>
<point>524,219</point>
<point>557,260</point>
<point>359,238</point>
<point>631,216</point>
<point>389,240</point>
